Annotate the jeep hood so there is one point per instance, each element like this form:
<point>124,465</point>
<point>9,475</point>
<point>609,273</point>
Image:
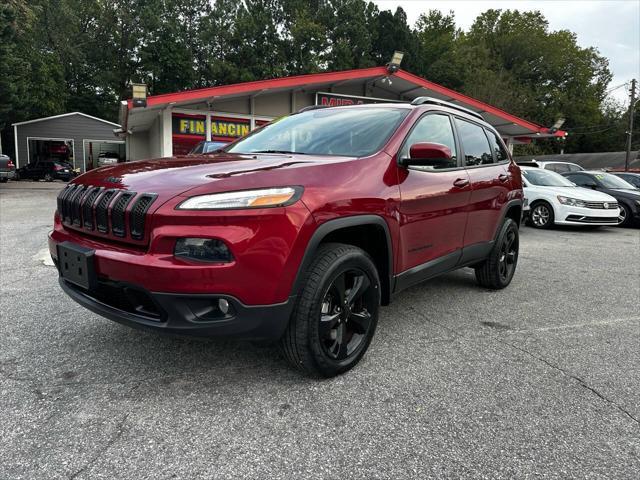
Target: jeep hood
<point>169,177</point>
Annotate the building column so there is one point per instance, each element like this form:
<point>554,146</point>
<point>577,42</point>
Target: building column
<point>15,145</point>
<point>166,147</point>
<point>509,142</point>
<point>208,127</point>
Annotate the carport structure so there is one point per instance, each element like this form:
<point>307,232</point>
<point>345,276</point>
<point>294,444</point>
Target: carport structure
<point>172,123</point>
<point>75,137</point>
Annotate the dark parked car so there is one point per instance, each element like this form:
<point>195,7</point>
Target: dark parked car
<point>629,177</point>
<point>48,170</point>
<point>7,168</point>
<point>627,195</point>
<point>207,147</point>
<point>297,232</point>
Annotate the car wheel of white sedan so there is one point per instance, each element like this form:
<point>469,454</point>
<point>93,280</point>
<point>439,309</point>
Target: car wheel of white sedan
<point>541,215</point>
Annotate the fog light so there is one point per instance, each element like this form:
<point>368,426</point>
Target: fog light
<point>203,250</point>
<point>223,306</point>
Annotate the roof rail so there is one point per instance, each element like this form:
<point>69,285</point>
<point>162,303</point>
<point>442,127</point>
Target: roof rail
<point>435,101</point>
<point>312,107</point>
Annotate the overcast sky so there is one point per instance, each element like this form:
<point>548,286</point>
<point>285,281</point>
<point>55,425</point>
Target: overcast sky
<point>612,26</point>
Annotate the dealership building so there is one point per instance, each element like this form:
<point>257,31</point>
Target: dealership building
<point>171,124</point>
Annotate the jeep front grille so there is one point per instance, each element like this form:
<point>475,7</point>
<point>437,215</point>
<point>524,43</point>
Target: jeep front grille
<point>120,213</point>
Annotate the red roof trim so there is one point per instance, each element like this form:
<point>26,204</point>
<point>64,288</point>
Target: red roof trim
<point>475,103</point>
<point>328,77</point>
<point>284,82</point>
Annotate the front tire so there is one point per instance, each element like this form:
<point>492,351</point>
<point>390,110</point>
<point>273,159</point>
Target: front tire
<point>541,215</point>
<point>48,177</point>
<point>336,313</point>
<point>624,218</point>
<point>497,271</point>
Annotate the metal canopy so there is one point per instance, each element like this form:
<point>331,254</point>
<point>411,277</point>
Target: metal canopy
<point>400,85</point>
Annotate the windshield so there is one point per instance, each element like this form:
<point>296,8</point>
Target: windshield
<point>352,132</point>
<point>611,181</point>
<point>546,178</point>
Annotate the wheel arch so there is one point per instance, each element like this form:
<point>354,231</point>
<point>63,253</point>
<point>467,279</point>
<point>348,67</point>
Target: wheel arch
<point>513,210</point>
<point>368,232</point>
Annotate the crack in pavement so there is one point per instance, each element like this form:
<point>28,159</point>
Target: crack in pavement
<point>104,449</point>
<point>581,382</point>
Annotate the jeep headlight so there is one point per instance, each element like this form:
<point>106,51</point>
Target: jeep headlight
<point>263,198</point>
<point>573,202</point>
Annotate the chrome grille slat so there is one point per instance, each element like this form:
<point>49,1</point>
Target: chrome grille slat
<point>600,205</point>
<point>86,207</point>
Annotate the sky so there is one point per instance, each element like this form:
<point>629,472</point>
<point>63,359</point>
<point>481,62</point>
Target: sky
<point>612,26</point>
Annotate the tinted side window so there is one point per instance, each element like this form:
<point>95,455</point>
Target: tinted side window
<point>498,149</point>
<point>580,179</point>
<point>433,129</point>
<point>575,168</point>
<point>475,144</point>
<point>558,167</point>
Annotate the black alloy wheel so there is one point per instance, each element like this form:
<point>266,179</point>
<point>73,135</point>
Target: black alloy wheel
<point>497,270</point>
<point>345,317</point>
<point>336,312</point>
<point>508,255</point>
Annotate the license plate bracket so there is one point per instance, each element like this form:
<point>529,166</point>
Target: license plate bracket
<point>77,265</point>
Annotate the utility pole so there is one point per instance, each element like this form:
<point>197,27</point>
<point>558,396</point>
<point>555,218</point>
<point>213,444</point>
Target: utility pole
<point>630,132</point>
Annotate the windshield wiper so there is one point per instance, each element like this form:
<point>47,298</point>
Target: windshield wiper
<point>280,151</point>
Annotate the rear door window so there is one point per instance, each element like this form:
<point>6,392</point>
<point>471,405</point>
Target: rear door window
<point>475,144</point>
<point>499,151</point>
<point>558,167</point>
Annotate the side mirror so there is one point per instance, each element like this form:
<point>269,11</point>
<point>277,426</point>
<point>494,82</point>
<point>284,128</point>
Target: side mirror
<point>428,154</point>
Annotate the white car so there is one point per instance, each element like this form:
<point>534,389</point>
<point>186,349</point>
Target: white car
<point>554,200</point>
<point>558,167</point>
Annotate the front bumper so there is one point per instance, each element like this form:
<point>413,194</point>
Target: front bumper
<point>183,314</point>
<point>568,215</point>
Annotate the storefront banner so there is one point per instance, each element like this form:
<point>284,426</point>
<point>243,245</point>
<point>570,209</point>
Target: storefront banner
<point>336,100</point>
<point>229,128</point>
<point>182,124</point>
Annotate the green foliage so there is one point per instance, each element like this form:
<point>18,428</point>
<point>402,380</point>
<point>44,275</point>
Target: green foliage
<point>64,55</point>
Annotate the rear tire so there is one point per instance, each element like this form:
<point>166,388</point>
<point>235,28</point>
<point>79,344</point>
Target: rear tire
<point>336,313</point>
<point>497,271</point>
<point>48,177</point>
<point>541,215</point>
<point>4,180</point>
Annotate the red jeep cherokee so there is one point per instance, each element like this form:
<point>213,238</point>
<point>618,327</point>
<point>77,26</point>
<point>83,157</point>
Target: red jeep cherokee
<point>297,232</point>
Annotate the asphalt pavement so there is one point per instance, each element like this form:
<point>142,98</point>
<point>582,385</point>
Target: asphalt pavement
<point>540,380</point>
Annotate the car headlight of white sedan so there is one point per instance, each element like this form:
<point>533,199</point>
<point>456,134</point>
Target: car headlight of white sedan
<point>573,202</point>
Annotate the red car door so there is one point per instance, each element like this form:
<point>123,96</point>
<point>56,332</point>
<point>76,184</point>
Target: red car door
<point>433,205</point>
<point>487,164</point>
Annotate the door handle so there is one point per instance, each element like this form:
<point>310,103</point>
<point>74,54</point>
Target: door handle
<point>461,182</point>
<point>503,178</point>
